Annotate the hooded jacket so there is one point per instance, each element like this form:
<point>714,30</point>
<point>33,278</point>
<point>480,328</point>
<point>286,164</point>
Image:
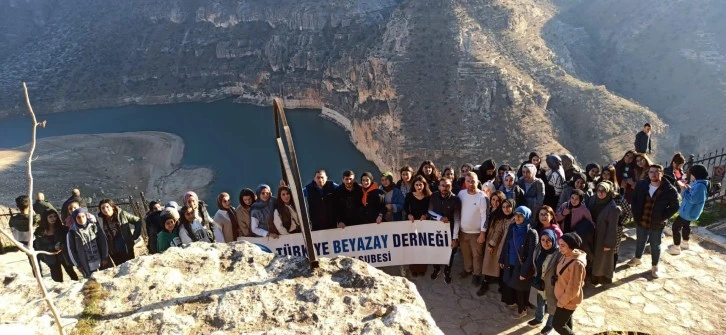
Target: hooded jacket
<point>568,288</point>
<point>87,246</point>
<point>693,200</point>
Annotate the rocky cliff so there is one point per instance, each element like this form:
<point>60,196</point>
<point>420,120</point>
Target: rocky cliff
<point>450,80</point>
<point>223,289</point>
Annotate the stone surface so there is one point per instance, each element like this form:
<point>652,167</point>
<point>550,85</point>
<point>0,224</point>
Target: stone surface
<point>233,289</point>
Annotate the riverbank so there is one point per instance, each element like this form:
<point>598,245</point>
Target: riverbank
<point>103,166</point>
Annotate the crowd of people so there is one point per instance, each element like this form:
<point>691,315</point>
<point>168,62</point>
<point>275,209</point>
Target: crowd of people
<point>528,228</point>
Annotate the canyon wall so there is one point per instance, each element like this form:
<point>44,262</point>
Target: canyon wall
<point>454,81</point>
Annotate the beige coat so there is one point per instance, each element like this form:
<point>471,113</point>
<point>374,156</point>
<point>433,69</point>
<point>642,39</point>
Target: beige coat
<point>495,236</point>
<point>243,219</point>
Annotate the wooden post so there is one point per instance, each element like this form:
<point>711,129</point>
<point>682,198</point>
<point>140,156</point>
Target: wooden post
<point>144,202</point>
<point>291,174</point>
<point>689,166</point>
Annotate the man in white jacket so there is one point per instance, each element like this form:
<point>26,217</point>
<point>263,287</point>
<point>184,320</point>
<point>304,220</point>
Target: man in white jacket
<point>474,205</point>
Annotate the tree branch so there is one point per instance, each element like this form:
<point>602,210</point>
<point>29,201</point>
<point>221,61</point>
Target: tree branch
<point>28,250</point>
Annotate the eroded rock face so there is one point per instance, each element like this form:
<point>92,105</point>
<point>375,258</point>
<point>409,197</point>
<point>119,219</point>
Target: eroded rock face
<point>452,81</point>
<point>234,289</point>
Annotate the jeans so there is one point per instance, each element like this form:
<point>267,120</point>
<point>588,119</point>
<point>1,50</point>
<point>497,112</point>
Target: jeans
<point>540,311</point>
<point>679,224</point>
<point>562,322</point>
<point>643,236</point>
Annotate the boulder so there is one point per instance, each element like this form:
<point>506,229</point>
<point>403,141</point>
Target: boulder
<point>232,289</point>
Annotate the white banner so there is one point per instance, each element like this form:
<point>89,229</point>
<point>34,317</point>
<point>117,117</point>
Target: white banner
<point>385,244</point>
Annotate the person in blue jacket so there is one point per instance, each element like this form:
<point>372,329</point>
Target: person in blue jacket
<point>694,198</point>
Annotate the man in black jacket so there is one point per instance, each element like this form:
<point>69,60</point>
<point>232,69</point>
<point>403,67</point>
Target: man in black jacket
<point>320,193</point>
<point>655,200</point>
<point>445,206</point>
<point>642,140</point>
<point>41,205</point>
<point>348,197</point>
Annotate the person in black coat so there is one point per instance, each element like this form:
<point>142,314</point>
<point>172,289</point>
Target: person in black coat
<point>50,236</point>
<point>75,197</point>
<point>373,200</point>
<point>348,206</point>
<point>321,199</point>
<point>642,140</point>
<point>517,261</point>
<point>655,200</point>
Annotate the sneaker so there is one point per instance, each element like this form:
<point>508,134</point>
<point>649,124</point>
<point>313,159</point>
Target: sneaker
<point>634,262</point>
<point>447,277</point>
<point>476,280</point>
<point>674,250</point>
<point>534,323</point>
<point>464,274</point>
<point>435,274</point>
<point>684,245</point>
<point>517,315</point>
<point>403,272</point>
<point>546,330</point>
<point>655,272</point>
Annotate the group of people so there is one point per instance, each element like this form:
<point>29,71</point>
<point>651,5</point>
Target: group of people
<point>526,229</point>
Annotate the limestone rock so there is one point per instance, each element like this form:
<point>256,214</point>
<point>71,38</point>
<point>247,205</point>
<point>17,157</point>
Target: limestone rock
<point>235,289</point>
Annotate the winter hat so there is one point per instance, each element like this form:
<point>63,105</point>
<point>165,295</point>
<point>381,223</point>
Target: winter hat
<point>367,174</point>
<point>172,204</point>
<point>170,213</point>
<point>262,187</point>
<point>572,240</point>
<point>511,174</point>
<point>699,172</point>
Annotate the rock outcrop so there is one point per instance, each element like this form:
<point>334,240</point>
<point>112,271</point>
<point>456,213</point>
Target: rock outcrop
<point>449,80</point>
<point>231,289</point>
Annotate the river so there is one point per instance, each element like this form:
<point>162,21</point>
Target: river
<point>236,141</point>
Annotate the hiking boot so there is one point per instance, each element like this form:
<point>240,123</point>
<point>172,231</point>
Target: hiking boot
<point>476,280</point>
<point>684,245</point>
<point>534,323</point>
<point>634,262</point>
<point>447,277</point>
<point>674,250</point>
<point>655,272</point>
<point>517,315</point>
<point>546,330</point>
<point>464,274</point>
<point>435,274</point>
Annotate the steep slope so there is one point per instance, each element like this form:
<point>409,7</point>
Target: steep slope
<point>450,80</point>
<point>667,55</point>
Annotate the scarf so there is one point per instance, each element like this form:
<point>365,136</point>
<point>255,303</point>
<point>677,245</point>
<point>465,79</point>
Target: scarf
<point>374,186</point>
<point>263,210</point>
<point>542,256</point>
<point>519,233</point>
<point>231,213</point>
<point>600,204</point>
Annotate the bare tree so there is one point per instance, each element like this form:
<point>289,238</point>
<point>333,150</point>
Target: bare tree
<point>29,250</point>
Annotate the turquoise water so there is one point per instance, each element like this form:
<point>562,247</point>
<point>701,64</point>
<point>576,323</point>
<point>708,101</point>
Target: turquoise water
<point>236,141</point>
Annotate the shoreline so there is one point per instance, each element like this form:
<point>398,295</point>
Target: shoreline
<point>111,165</point>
